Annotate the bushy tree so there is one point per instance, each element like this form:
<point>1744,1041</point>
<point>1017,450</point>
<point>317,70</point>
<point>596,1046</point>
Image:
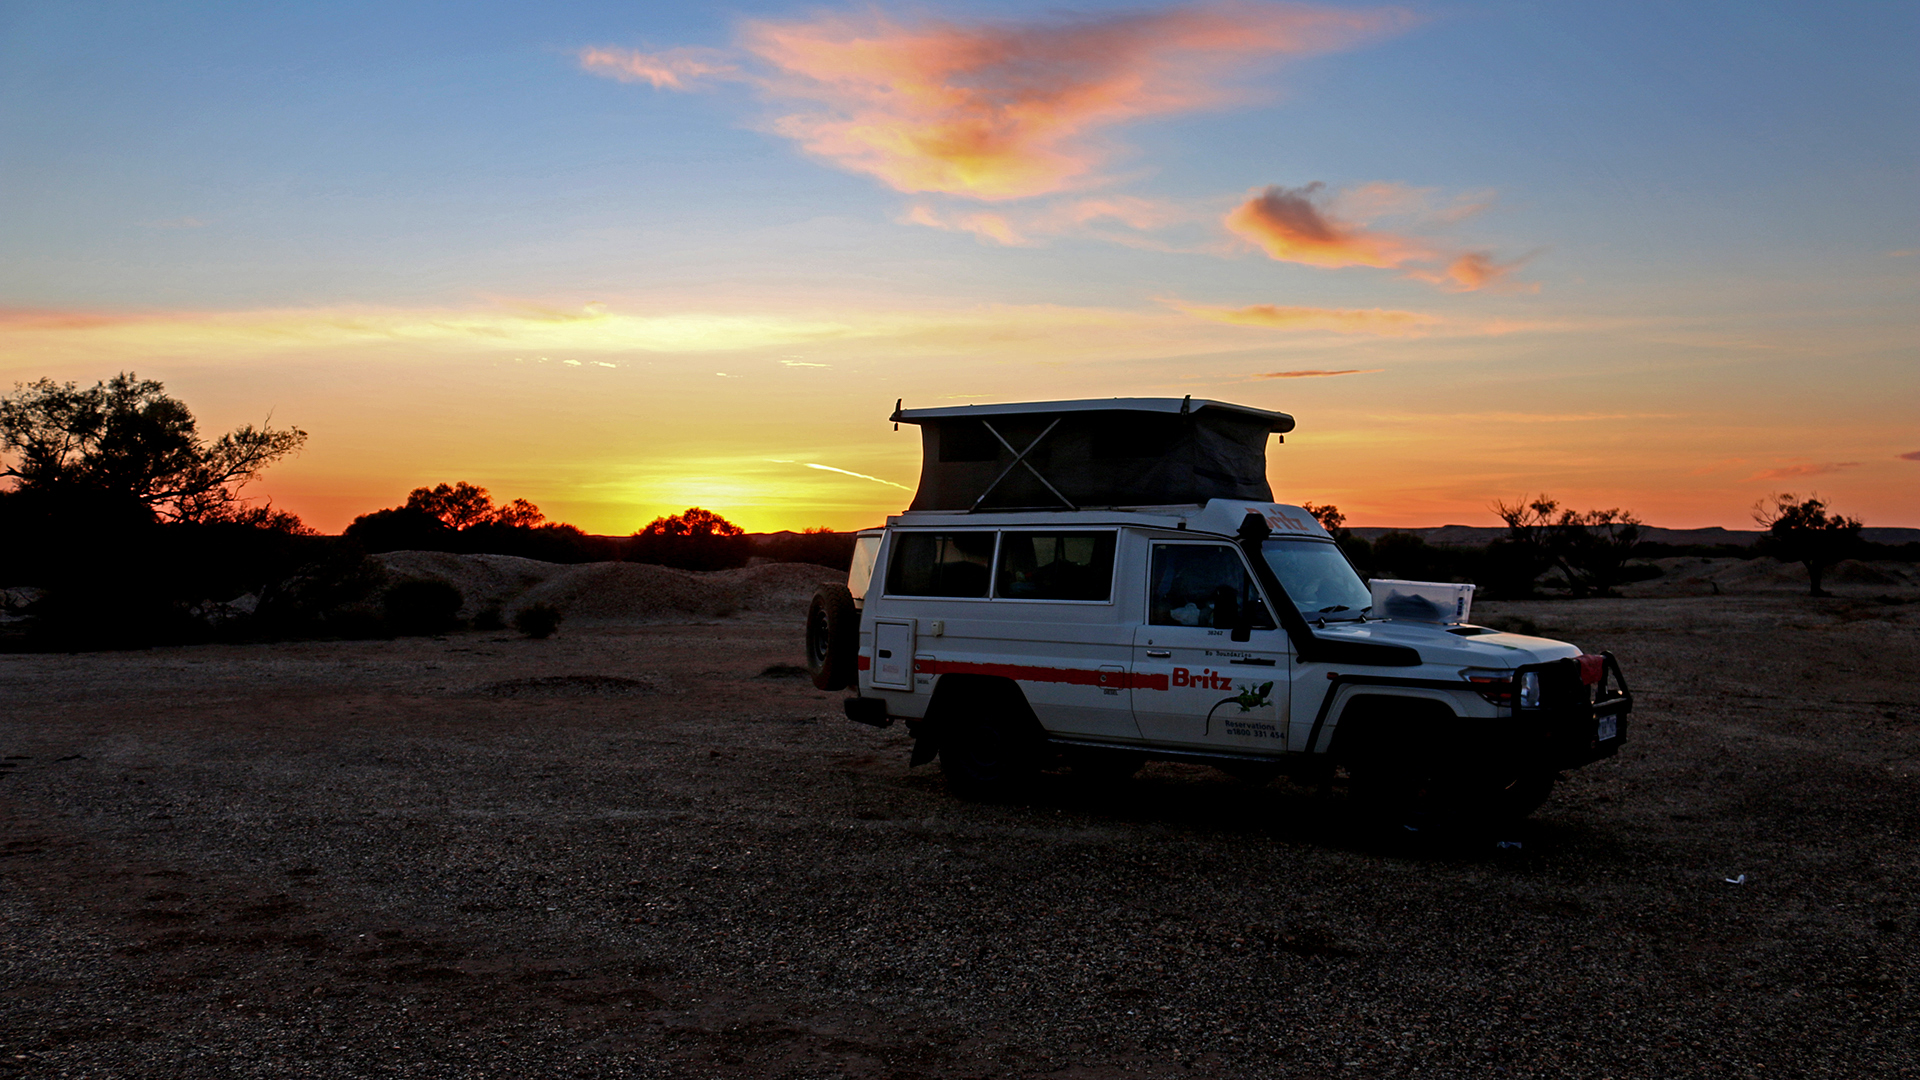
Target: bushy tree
<point>1328,515</point>
<point>464,506</point>
<point>697,539</point>
<point>124,439</point>
<point>1359,552</point>
<point>1801,530</point>
<point>1590,549</point>
<point>462,517</point>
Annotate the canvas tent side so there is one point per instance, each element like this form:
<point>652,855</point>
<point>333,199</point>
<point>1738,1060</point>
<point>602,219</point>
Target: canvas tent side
<point>1096,453</point>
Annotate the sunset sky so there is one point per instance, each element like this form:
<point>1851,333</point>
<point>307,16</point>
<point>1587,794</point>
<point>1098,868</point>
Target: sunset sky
<point>620,259</point>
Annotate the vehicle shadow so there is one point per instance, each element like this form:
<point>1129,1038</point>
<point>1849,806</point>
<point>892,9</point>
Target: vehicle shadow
<point>1207,803</point>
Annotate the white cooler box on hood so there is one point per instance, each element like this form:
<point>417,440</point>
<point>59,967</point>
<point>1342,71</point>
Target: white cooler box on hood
<point>1421,601</point>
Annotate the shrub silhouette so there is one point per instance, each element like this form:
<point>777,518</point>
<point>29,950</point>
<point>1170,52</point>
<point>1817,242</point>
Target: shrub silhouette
<point>423,607</point>
<point>695,540</point>
<point>1800,530</point>
<point>537,620</point>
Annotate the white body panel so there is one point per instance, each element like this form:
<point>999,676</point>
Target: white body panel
<point>1100,670</point>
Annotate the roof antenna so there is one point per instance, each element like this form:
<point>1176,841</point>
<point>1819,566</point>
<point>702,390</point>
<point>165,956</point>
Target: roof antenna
<point>1186,405</point>
<point>896,413</point>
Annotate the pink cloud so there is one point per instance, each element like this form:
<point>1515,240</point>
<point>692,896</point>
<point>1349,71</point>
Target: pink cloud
<point>670,70</point>
<point>1786,472</point>
<point>1289,226</point>
<point>1339,320</point>
<point>1312,374</point>
<point>1000,110</point>
<point>1097,216</point>
<point>1298,225</point>
<point>1914,456</point>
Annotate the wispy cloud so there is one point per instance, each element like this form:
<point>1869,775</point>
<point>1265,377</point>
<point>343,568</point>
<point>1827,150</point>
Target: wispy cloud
<point>1298,225</point>
<point>998,110</point>
<point>675,69</point>
<point>1787,472</point>
<point>1912,456</point>
<point>1340,320</point>
<point>1316,374</point>
<point>1119,218</point>
<point>862,476</point>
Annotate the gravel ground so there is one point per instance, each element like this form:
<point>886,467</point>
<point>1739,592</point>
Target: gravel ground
<point>625,851</point>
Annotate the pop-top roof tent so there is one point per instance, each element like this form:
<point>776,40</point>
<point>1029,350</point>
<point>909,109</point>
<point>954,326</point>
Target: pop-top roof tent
<point>1070,455</point>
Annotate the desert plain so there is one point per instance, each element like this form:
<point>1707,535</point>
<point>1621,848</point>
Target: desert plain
<point>644,847</point>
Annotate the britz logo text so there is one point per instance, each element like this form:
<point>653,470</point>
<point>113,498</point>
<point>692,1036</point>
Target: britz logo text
<point>1207,679</point>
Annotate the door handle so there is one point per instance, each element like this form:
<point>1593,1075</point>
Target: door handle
<point>1160,654</point>
<point>1262,661</point>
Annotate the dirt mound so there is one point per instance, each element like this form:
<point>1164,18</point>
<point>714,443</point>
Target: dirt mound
<point>600,591</point>
<point>613,591</point>
<point>1693,576</point>
<point>1855,572</point>
<point>778,587</point>
<point>485,581</point>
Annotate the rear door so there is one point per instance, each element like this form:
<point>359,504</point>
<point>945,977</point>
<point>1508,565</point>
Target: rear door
<point>1193,685</point>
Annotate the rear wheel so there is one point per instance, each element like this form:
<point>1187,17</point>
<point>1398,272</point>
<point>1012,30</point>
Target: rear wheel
<point>990,744</point>
<point>833,637</point>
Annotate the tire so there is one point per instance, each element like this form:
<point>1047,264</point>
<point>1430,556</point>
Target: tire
<point>833,638</point>
<point>990,744</point>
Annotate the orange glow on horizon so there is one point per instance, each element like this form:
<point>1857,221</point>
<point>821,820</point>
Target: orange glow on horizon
<point>608,417</point>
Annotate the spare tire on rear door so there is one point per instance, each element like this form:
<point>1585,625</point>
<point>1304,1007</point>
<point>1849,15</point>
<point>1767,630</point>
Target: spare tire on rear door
<point>833,637</point>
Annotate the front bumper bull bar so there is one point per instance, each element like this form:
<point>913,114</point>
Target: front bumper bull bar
<point>1581,716</point>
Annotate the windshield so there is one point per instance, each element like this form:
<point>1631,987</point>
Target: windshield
<point>1318,578</point>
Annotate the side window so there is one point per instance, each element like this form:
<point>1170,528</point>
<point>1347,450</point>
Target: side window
<point>1055,566</point>
<point>1203,585</point>
<point>940,564</point>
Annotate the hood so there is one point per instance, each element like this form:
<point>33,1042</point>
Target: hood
<point>1453,646</point>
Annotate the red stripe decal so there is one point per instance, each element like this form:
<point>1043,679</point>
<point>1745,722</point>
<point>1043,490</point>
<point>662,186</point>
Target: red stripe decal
<point>1075,676</point>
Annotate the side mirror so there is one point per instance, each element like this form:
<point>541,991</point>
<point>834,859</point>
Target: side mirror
<point>1253,616</point>
<point>1226,608</point>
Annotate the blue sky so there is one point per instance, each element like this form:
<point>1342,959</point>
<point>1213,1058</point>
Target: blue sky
<point>1710,207</point>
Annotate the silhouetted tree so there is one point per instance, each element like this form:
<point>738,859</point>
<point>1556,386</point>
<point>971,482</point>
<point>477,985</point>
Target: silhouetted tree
<point>129,518</point>
<point>401,528</point>
<point>1591,549</point>
<point>125,439</point>
<point>1359,552</point>
<point>697,539</point>
<point>1800,530</point>
<point>464,506</point>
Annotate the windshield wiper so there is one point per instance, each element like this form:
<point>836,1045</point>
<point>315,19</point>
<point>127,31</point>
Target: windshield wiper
<point>1336,607</point>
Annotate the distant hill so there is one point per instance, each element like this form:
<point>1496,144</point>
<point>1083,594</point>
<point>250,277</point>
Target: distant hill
<point>1477,536</point>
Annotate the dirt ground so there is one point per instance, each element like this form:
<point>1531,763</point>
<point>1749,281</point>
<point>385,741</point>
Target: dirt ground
<point>626,851</point>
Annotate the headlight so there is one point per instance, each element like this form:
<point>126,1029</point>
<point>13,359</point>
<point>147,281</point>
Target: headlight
<point>1495,686</point>
<point>1529,689</point>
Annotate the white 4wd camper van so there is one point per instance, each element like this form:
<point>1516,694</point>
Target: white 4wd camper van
<point>1111,580</point>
